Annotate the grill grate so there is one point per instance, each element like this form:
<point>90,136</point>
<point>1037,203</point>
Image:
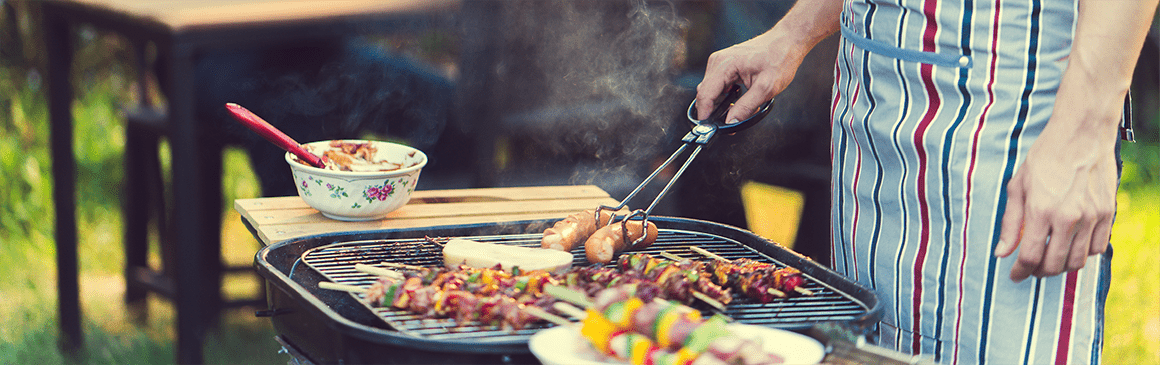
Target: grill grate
<point>336,262</point>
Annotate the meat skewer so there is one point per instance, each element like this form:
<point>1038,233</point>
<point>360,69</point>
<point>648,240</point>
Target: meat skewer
<point>671,285</point>
<point>465,294</point>
<point>762,281</point>
<point>677,277</point>
<point>620,325</point>
<point>499,297</point>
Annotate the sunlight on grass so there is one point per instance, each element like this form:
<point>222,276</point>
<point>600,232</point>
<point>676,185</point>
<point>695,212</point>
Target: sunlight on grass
<point>1133,308</point>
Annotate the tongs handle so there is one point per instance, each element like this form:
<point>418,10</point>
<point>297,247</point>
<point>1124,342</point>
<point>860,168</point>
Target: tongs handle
<point>704,129</point>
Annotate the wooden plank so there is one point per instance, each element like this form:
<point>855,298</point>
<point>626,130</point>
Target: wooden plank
<point>446,196</point>
<point>280,232</point>
<point>512,193</point>
<point>281,218</point>
<point>291,208</point>
<point>423,211</point>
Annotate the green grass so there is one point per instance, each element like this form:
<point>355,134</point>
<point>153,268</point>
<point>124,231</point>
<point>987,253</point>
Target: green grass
<point>1133,308</point>
<point>28,329</point>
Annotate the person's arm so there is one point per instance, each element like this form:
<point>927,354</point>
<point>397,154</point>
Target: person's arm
<point>767,63</point>
<point>1061,201</point>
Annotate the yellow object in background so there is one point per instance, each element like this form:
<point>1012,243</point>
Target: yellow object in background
<point>772,211</point>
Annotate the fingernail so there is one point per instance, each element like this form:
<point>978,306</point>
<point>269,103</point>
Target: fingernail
<point>1001,248</point>
<point>733,121</point>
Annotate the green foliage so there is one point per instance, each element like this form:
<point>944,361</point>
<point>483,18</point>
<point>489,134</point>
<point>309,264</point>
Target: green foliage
<point>29,329</point>
<point>1141,165</point>
<point>25,165</point>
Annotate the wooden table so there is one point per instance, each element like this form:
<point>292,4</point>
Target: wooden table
<point>282,218</point>
<point>181,32</point>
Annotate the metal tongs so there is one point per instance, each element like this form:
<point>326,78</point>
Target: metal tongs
<point>702,133</point>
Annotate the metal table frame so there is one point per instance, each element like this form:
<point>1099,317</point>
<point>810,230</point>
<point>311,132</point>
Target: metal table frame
<point>179,45</point>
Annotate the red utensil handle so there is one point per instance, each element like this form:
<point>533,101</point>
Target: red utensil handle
<point>267,131</point>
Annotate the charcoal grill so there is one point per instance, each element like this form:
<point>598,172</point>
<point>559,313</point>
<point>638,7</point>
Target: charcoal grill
<point>337,327</point>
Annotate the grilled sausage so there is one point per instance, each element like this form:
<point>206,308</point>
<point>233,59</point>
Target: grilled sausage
<point>573,230</point>
<point>608,241</point>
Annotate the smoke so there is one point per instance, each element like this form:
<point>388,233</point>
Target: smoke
<point>591,83</point>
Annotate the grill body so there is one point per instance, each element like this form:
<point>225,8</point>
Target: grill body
<point>335,327</point>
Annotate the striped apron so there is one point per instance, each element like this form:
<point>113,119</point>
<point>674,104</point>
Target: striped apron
<point>935,105</point>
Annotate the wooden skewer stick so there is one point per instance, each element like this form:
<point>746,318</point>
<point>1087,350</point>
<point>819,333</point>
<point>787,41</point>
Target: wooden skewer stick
<point>709,300</point>
<point>565,294</point>
<point>709,254</point>
<point>671,256</point>
<point>401,266</point>
<point>570,310</point>
<point>375,270</point>
<point>803,291</point>
<point>775,292</point>
<point>341,287</point>
<point>543,314</point>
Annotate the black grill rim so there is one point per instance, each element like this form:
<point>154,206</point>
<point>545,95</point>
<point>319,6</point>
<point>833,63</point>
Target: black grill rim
<point>278,261</point>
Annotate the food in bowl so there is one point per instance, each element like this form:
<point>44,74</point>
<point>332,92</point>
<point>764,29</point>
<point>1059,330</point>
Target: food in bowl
<point>342,155</point>
<point>365,180</point>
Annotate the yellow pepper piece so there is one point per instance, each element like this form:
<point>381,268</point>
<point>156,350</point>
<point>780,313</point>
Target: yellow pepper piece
<point>685,356</point>
<point>598,330</point>
<point>641,346</point>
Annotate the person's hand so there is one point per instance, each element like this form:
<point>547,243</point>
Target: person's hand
<point>765,65</point>
<point>1060,203</point>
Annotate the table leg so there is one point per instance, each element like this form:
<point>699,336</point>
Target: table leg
<point>211,245</point>
<point>189,207</point>
<point>58,51</point>
<point>140,163</point>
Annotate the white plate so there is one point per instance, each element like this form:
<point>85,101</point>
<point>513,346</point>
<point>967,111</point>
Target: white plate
<point>565,346</point>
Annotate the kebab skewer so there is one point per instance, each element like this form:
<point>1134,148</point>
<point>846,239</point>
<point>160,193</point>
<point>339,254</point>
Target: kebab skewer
<point>623,326</point>
<point>758,280</point>
<point>466,294</point>
<point>672,284</point>
<point>683,278</point>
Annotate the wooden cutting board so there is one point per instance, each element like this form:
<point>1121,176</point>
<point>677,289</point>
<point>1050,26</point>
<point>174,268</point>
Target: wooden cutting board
<point>282,218</point>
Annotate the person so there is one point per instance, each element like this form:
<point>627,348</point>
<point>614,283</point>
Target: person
<point>975,162</point>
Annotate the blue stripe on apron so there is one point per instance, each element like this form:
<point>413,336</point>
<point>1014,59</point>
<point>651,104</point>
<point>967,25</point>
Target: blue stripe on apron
<point>886,49</point>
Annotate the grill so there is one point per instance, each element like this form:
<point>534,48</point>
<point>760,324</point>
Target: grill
<point>330,326</point>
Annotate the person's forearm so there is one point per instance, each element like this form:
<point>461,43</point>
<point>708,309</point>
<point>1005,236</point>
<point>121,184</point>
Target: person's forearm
<point>1108,38</point>
<point>809,22</point>
<point>1062,200</point>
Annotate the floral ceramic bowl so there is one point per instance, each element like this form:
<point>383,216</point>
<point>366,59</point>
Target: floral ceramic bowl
<point>359,195</point>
